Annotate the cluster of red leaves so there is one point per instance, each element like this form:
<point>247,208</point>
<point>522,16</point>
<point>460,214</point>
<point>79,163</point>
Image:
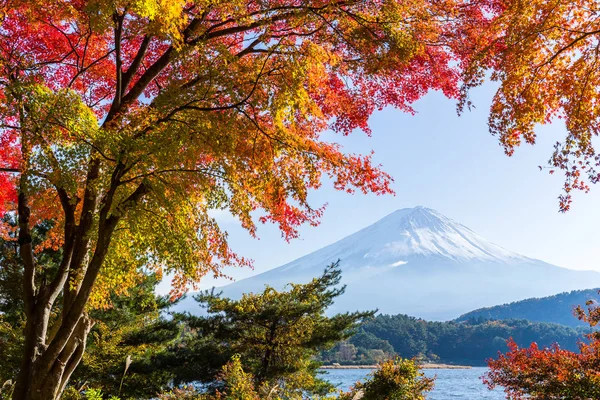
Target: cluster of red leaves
<point>9,162</point>
<point>550,373</point>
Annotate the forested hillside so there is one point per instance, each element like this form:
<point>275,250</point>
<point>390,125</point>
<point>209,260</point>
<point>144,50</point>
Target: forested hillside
<point>470,342</point>
<point>556,309</point>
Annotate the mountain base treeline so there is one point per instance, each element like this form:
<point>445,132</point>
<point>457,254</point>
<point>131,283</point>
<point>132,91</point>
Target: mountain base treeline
<point>469,342</point>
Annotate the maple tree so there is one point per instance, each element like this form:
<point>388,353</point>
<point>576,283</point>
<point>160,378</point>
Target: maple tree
<point>551,373</point>
<point>125,122</point>
<point>544,54</point>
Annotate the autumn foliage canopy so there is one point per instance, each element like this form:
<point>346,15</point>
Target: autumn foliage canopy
<point>544,54</point>
<point>204,105</point>
<point>124,122</point>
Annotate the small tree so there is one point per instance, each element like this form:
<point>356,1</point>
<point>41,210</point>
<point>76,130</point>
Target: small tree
<point>235,384</point>
<point>276,333</point>
<point>347,351</point>
<point>547,374</point>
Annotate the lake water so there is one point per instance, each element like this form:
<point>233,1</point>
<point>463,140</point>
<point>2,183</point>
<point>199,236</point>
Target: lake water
<point>450,384</point>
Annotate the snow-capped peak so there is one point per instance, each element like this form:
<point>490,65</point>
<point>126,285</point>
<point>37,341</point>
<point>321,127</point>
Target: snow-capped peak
<point>421,231</point>
<point>407,234</point>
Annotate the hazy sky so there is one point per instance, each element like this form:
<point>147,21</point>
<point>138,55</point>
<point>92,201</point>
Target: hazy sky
<point>451,164</point>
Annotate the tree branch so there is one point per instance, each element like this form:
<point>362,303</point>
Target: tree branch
<point>137,61</point>
<point>82,237</point>
<point>10,170</point>
<point>116,104</point>
<point>163,61</point>
<point>26,252</point>
<point>71,318</point>
<point>57,284</point>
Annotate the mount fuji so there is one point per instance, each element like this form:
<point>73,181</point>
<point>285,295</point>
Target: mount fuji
<point>419,262</point>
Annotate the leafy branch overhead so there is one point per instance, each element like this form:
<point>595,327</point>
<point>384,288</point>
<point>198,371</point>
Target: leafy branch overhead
<point>544,55</point>
<point>186,107</point>
<point>125,122</point>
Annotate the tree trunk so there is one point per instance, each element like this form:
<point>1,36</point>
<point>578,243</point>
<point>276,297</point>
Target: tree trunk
<point>50,359</point>
<point>41,380</point>
<point>30,355</point>
<point>266,361</point>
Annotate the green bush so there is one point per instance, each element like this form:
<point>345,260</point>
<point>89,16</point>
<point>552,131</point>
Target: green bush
<point>398,379</point>
<point>236,385</point>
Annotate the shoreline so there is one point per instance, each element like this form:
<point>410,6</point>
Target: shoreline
<point>422,366</point>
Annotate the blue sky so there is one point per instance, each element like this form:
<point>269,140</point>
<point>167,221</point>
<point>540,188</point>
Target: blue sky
<point>451,164</point>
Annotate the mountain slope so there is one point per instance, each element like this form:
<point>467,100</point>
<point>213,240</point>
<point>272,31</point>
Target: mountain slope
<point>554,309</point>
<point>416,261</point>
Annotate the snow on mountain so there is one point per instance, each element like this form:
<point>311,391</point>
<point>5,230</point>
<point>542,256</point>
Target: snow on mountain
<point>419,262</point>
<point>407,233</point>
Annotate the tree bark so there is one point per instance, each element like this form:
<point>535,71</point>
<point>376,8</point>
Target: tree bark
<point>50,358</point>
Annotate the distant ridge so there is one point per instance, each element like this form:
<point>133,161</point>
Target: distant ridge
<point>418,262</point>
<point>556,309</point>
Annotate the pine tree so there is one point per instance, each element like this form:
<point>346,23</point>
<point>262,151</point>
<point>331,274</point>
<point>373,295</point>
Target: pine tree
<point>277,335</point>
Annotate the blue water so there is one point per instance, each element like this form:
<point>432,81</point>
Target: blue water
<point>450,384</point>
